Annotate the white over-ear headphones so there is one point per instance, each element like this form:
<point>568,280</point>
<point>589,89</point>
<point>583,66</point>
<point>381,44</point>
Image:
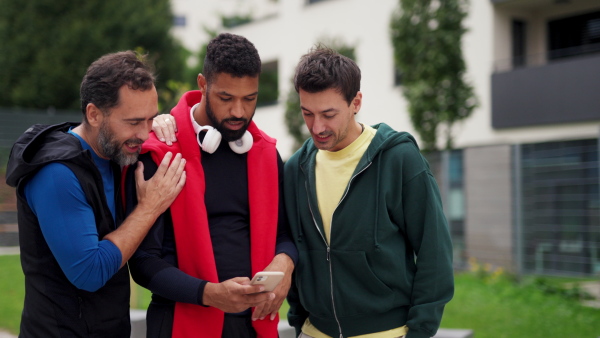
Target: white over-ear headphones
<point>212,139</point>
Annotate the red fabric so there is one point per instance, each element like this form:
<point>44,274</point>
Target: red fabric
<point>190,221</point>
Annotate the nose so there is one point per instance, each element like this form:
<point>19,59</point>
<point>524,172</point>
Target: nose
<point>318,125</point>
<point>144,131</point>
<point>237,110</point>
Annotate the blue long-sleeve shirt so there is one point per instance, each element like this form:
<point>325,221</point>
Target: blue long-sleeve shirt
<point>68,225</point>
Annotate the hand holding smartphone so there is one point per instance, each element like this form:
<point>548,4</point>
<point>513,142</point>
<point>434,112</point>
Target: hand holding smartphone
<point>269,279</point>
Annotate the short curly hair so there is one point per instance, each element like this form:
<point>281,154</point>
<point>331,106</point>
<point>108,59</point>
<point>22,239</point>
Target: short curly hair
<point>105,76</point>
<point>323,68</point>
<point>231,54</point>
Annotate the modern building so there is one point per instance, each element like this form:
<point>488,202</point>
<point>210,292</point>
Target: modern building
<point>521,189</point>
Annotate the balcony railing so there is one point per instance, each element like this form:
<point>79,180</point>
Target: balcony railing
<point>534,60</point>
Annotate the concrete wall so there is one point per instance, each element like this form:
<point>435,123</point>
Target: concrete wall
<point>488,195</point>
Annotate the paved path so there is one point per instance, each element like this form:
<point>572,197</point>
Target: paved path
<point>9,250</point>
<point>4,334</point>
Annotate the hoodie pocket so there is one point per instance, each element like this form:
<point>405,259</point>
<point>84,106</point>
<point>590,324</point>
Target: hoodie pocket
<point>312,278</point>
<point>356,288</point>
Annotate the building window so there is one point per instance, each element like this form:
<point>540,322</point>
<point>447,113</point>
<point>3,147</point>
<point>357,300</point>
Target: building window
<point>179,21</point>
<point>519,49</point>
<point>455,205</point>
<point>268,85</point>
<point>560,208</point>
<point>574,36</point>
<point>448,169</point>
<point>397,76</point>
<point>235,20</point>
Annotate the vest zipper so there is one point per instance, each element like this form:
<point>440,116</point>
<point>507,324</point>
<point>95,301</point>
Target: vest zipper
<point>80,306</point>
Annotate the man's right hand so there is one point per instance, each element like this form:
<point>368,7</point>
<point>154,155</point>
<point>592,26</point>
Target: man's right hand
<point>159,192</point>
<point>235,295</point>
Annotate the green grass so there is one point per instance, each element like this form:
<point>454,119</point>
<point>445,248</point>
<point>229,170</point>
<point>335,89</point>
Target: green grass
<point>492,305</point>
<point>12,291</point>
<point>500,308</point>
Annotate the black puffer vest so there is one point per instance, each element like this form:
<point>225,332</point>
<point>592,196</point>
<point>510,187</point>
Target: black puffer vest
<point>53,306</point>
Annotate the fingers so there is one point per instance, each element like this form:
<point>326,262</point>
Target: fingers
<point>182,179</point>
<point>241,280</point>
<point>139,172</point>
<point>267,308</point>
<point>170,130</point>
<point>157,129</point>
<point>235,295</point>
<point>164,127</point>
<point>259,312</point>
<point>173,126</point>
<point>175,170</point>
<point>164,165</point>
<point>259,299</point>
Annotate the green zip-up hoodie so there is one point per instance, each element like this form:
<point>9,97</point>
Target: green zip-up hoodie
<point>389,262</point>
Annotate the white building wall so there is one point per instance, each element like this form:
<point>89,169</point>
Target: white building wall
<point>288,28</point>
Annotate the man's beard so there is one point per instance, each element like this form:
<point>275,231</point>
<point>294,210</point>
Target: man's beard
<point>227,134</point>
<point>113,148</point>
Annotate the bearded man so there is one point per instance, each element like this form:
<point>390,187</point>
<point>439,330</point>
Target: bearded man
<point>73,237</point>
<point>229,221</point>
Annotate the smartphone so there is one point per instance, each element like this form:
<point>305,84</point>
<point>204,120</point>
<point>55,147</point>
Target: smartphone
<point>269,279</point>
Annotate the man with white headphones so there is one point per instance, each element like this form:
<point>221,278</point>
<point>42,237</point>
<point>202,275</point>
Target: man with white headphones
<point>229,221</point>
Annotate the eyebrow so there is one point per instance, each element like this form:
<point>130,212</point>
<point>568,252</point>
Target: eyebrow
<point>227,94</point>
<point>137,119</point>
<point>329,110</point>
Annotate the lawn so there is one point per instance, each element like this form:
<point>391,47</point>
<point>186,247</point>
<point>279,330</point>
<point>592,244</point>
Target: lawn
<point>491,304</point>
<point>499,308</point>
<point>12,292</point>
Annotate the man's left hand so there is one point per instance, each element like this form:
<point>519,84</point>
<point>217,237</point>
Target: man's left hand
<point>284,263</point>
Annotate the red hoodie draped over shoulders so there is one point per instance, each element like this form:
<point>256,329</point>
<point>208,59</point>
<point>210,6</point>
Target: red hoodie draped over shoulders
<point>190,221</point>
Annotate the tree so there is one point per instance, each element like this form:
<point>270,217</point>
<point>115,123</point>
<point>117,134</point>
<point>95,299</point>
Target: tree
<point>48,44</point>
<point>293,115</point>
<point>426,36</point>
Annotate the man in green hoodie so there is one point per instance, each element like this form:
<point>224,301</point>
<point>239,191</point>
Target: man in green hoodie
<point>366,215</point>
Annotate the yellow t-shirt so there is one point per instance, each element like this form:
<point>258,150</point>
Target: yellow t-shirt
<point>310,330</point>
<point>333,171</point>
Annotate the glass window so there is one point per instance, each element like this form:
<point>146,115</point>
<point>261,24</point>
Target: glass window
<point>179,21</point>
<point>574,36</point>
<point>560,207</point>
<point>268,85</point>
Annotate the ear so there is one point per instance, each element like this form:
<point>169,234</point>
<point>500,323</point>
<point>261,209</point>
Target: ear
<point>94,115</point>
<point>356,102</point>
<point>201,80</point>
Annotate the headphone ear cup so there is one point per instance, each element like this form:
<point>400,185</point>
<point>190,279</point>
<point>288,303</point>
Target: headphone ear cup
<point>243,145</point>
<point>211,142</point>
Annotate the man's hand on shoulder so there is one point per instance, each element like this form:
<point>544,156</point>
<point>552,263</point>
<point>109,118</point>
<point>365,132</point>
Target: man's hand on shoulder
<point>165,127</point>
<point>157,194</point>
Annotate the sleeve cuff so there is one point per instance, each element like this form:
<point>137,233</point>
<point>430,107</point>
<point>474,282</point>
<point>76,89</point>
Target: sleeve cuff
<point>201,292</point>
<point>289,249</point>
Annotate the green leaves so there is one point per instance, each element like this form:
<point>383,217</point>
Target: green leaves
<point>47,45</point>
<point>426,36</point>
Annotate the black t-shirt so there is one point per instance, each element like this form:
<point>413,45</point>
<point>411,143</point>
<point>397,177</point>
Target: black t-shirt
<point>227,207</point>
